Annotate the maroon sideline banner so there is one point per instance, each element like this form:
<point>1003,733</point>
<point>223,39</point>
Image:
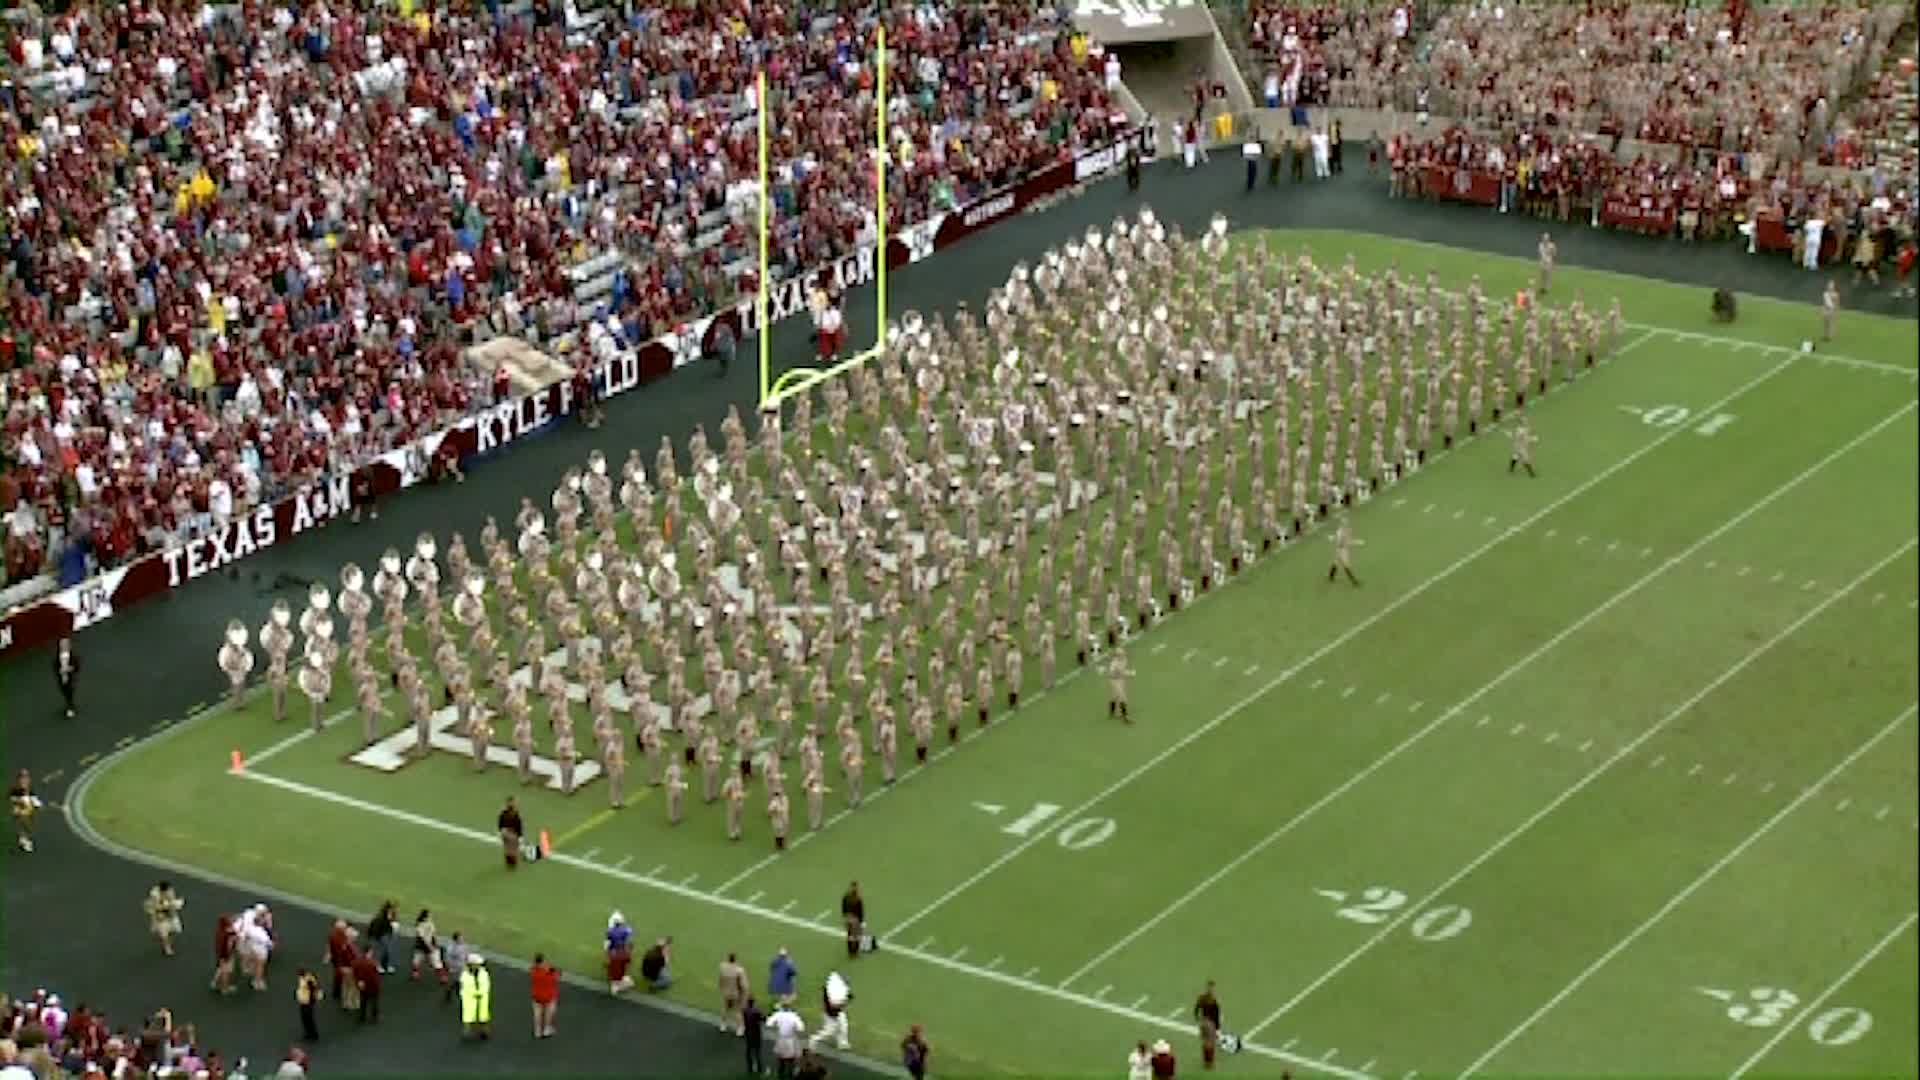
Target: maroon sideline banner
<point>497,426</point>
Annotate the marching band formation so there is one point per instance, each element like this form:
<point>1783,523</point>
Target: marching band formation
<point>1133,422</point>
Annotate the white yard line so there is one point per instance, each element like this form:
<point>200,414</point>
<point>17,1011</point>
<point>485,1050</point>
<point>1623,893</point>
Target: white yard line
<point>1832,989</point>
<point>1692,887</point>
<point>1581,785</point>
<point>684,891</point>
<point>306,732</point>
<point>1348,635</point>
<point>1777,350</point>
<point>1470,700</point>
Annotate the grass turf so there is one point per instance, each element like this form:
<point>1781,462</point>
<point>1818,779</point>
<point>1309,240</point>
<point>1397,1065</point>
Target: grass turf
<point>1477,813</point>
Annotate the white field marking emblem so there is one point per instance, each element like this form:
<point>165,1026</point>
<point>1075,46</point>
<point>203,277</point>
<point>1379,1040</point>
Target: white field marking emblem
<point>394,752</point>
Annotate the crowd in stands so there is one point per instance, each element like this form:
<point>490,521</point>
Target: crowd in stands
<point>245,245</point>
<point>1703,197</point>
<point>1339,54</point>
<point>41,1037</point>
<point>1728,77</point>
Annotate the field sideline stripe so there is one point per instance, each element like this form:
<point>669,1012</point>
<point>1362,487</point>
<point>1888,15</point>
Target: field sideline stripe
<point>1580,785</point>
<point>740,907</point>
<point>1832,989</point>
<point>1345,636</point>
<point>1498,680</point>
<point>1692,887</point>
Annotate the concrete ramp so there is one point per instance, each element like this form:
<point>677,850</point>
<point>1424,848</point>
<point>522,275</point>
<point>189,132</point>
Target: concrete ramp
<point>1165,48</point>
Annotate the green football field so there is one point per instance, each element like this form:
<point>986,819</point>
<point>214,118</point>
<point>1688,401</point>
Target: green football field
<point>1608,770</point>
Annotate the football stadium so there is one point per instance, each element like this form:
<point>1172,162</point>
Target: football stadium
<point>1367,540</point>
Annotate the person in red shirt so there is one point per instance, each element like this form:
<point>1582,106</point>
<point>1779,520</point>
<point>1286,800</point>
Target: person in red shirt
<point>545,980</point>
<point>366,979</point>
<point>223,948</point>
<point>1162,1061</point>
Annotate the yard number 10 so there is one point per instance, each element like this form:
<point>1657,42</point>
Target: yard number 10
<point>1074,836</point>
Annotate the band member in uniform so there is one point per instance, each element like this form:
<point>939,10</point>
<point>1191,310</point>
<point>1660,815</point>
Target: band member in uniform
<point>1118,672</point>
<point>1523,440</point>
<point>511,830</point>
<point>852,765</point>
<point>163,914</point>
<point>711,760</point>
<point>885,744</point>
<point>25,806</point>
<point>523,742</point>
<point>734,791</point>
<point>676,792</point>
<point>816,790</point>
<point>1548,250</point>
<point>1829,312</point>
<point>777,817</point>
<point>1343,542</point>
<point>566,755</point>
<point>66,671</point>
<point>613,760</point>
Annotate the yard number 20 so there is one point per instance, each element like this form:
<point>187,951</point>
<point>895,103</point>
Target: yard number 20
<point>1377,903</point>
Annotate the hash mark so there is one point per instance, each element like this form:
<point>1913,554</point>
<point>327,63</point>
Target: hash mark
<point>1429,509</point>
<point>1517,729</point>
<point>1882,815</point>
<point>755,898</point>
<point>822,917</point>
<point>1460,513</point>
<point>1251,668</point>
<point>1844,803</point>
<point>958,953</point>
<point>922,947</point>
<point>1317,684</point>
<point>1158,646</point>
<point>1766,787</point>
<point>1220,663</point>
<point>1382,699</point>
<point>1712,563</point>
<point>1490,520</point>
<point>589,854</point>
<point>1398,503</point>
<point>622,864</point>
<point>1809,585</point>
<point>1031,972</point>
<point>1143,1000</point>
<point>1551,738</point>
<point>1731,777</point>
<point>1586,746</point>
<point>689,880</point>
<point>1291,1043</point>
<point>1582,541</point>
<point>1415,707</point>
<point>1102,992</point>
<point>655,872</point>
<point>1348,692</point>
<point>994,964</point>
<point>1191,653</point>
<point>788,906</point>
<point>1551,533</point>
<point>1646,553</point>
<point>1483,721</point>
<point>1659,761</point>
<point>1778,576</point>
<point>1743,571</point>
<point>1879,596</point>
<point>1695,771</point>
<point>1612,546</point>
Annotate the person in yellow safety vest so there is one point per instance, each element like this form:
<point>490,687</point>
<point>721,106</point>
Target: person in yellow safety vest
<point>476,997</point>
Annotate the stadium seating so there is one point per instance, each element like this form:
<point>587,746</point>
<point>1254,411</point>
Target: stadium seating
<point>248,253</point>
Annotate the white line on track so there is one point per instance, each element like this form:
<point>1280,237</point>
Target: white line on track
<point>1832,989</point>
<point>1346,636</point>
<point>1691,887</point>
<point>1580,785</point>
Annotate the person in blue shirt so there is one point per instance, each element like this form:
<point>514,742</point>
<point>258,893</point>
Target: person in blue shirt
<point>619,953</point>
<point>782,977</point>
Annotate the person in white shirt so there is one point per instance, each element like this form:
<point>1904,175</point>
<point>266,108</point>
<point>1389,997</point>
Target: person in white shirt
<point>220,501</point>
<point>1322,153</point>
<point>788,1029</point>
<point>1140,1063</point>
<point>1815,229</point>
<point>1112,70</point>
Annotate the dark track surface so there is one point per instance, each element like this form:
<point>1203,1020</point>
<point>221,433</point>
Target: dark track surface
<point>72,919</point>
